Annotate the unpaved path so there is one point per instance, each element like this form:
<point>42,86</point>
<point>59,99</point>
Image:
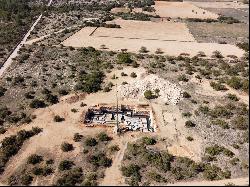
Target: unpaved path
<point>113,176</point>
<point>237,181</point>
<point>15,52</point>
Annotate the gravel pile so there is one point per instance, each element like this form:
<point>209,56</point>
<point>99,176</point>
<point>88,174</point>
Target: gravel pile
<point>169,92</point>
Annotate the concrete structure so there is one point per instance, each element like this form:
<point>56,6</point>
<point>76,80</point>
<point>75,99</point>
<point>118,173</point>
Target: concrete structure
<point>133,118</point>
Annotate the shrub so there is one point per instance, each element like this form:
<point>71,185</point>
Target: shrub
<point>103,137</point>
<point>123,74</point>
<point>156,177</point>
<point>74,110</point>
<point>133,75</point>
<point>186,114</point>
<point>124,58</point>
<point>2,130</point>
<point>90,142</point>
<point>143,50</point>
<point>65,165</point>
<point>148,94</point>
<point>114,148</point>
<point>26,179</point>
<point>217,54</point>
<point>218,86</point>
<point>183,78</point>
<point>71,178</point>
<point>63,92</point>
<point>66,147</point>
<point>244,46</point>
<point>158,51</point>
<point>77,137</point>
<point>223,124</point>
<point>240,123</point>
<point>212,172</point>
<point>149,141</point>
<point>232,97</point>
<point>100,159</point>
<point>34,159</point>
<point>36,103</point>
<point>189,138</point>
<point>186,95</point>
<point>189,124</point>
<point>58,119</point>
<point>235,83</point>
<point>2,91</point>
<point>131,170</point>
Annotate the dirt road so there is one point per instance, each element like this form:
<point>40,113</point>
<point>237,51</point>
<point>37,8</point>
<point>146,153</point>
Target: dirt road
<point>15,52</point>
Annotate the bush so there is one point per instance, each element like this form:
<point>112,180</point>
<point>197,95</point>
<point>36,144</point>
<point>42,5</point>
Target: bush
<point>91,142</point>
<point>133,75</point>
<point>65,165</point>
<point>124,58</point>
<point>240,123</point>
<point>131,170</point>
<point>71,178</point>
<point>217,54</point>
<point>190,138</point>
<point>26,179</point>
<point>186,95</point>
<point>36,103</point>
<point>58,119</point>
<point>244,46</point>
<point>66,147</point>
<point>103,137</point>
<point>2,91</point>
<point>183,78</point>
<point>218,86</point>
<point>2,130</point>
<point>235,83</point>
<point>143,50</point>
<point>156,177</point>
<point>114,148</point>
<point>189,124</point>
<point>34,159</point>
<point>77,137</point>
<point>100,159</point>
<point>212,172</point>
<point>223,124</point>
<point>232,97</point>
<point>149,141</point>
<point>148,94</point>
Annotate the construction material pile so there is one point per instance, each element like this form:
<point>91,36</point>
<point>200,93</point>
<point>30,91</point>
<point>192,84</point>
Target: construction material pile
<point>169,92</point>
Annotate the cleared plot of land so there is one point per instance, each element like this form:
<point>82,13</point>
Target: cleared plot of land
<point>182,10</point>
<point>146,30</point>
<point>219,32</point>
<point>171,38</point>
<point>240,14</point>
<point>205,4</point>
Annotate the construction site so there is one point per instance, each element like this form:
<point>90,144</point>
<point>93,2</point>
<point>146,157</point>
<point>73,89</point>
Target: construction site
<point>122,118</point>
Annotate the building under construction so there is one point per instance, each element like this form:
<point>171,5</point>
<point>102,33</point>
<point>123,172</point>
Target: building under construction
<point>124,117</point>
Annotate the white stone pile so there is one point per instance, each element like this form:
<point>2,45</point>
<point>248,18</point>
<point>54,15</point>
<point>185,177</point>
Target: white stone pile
<point>169,92</point>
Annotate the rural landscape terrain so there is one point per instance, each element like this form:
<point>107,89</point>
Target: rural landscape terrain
<point>124,92</point>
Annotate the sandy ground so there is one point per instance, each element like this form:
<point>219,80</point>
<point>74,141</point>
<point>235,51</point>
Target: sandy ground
<point>146,30</point>
<point>202,4</point>
<point>133,44</point>
<point>182,10</point>
<point>237,181</point>
<point>172,38</point>
<point>119,9</point>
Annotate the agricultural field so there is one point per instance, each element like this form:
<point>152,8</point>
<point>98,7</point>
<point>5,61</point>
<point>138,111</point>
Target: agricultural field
<point>186,62</point>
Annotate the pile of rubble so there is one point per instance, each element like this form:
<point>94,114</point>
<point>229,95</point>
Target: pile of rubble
<point>169,92</point>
